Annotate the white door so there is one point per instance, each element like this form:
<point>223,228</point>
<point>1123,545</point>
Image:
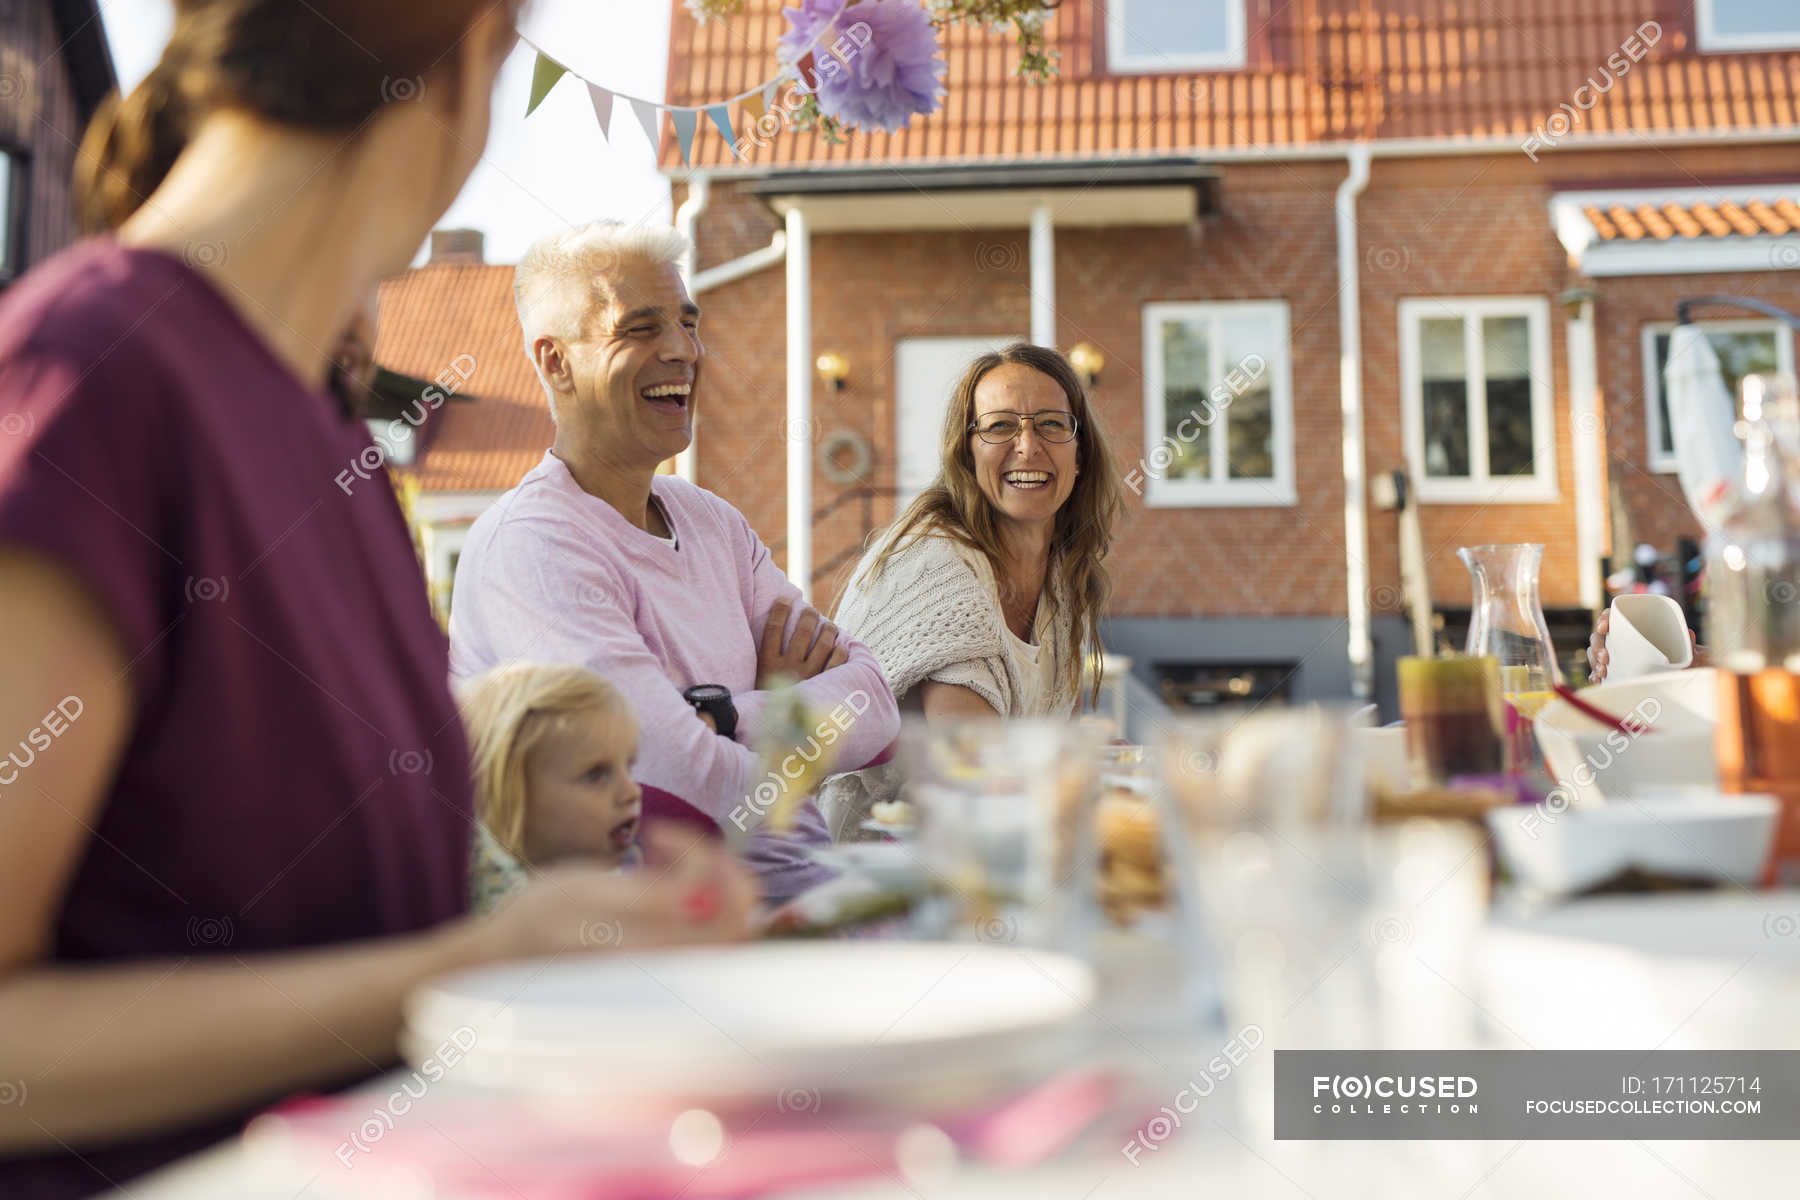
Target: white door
<point>925,371</point>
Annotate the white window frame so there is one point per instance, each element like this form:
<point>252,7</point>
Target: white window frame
<point>1219,491</point>
<point>1121,61</point>
<point>1479,487</point>
<point>12,251</point>
<point>402,451</point>
<point>1710,39</point>
<point>1667,463</point>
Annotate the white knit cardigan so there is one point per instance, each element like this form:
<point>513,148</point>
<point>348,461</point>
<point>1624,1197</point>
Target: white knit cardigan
<point>933,613</point>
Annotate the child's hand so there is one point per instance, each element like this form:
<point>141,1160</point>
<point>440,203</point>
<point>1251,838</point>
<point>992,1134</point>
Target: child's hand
<point>691,891</point>
<point>1597,656</point>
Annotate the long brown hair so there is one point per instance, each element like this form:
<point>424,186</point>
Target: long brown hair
<point>954,504</point>
<point>322,65</point>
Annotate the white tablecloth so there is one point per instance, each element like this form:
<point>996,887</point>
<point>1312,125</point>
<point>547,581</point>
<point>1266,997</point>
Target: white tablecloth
<point>1714,971</point>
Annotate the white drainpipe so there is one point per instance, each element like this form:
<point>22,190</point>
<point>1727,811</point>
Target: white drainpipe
<point>1043,276</point>
<point>1356,491</point>
<point>1584,420</point>
<point>799,402</point>
<point>737,268</point>
<point>686,217</point>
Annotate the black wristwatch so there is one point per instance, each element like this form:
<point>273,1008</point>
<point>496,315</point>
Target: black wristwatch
<point>715,702</point>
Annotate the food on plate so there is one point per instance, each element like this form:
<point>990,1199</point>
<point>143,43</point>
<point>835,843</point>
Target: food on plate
<point>893,812</point>
<point>1131,866</point>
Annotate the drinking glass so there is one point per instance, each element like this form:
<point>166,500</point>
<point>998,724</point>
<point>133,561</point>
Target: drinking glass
<point>1000,807</point>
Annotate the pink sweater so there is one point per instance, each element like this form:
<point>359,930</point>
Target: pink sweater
<point>553,574</point>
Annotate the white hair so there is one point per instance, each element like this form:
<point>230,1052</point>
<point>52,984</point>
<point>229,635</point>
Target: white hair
<point>565,275</point>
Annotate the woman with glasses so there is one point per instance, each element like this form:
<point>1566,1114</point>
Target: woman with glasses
<point>984,597</point>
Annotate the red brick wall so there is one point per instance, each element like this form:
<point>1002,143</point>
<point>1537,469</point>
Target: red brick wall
<point>1472,226</point>
<point>1450,226</point>
<point>1272,241</point>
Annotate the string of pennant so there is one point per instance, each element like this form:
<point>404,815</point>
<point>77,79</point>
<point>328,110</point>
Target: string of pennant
<point>546,73</point>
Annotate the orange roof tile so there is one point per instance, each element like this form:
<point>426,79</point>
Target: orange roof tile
<point>1738,219</point>
<point>1404,69</point>
<point>498,425</point>
<point>1766,217</point>
<point>1684,221</point>
<point>1629,225</point>
<point>1676,219</point>
<point>1655,222</point>
<point>1709,219</point>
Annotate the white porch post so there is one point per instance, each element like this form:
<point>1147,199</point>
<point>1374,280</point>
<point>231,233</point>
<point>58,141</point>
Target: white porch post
<point>1589,452</point>
<point>1356,497</point>
<point>799,402</point>
<point>1043,276</point>
<point>686,218</point>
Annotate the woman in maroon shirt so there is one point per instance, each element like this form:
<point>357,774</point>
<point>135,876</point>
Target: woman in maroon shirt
<point>234,793</point>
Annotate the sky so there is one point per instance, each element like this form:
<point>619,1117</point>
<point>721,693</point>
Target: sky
<point>541,174</point>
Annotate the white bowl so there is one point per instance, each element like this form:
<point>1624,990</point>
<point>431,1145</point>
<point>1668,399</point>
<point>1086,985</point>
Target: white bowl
<point>1693,833</point>
<point>1597,763</point>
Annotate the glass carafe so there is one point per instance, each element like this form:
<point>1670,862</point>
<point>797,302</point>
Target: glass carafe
<point>1753,556</point>
<point>1507,624</point>
<point>1753,615</point>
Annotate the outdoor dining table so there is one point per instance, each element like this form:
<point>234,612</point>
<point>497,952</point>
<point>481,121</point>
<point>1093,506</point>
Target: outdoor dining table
<point>1689,971</point>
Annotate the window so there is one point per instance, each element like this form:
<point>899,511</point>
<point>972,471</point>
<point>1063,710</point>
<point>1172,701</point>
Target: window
<point>1747,24</point>
<point>1744,348</point>
<point>397,439</point>
<point>12,224</point>
<point>1218,406</point>
<point>1476,399</point>
<point>1174,35</point>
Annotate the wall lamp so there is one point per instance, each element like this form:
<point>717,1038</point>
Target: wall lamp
<point>833,368</point>
<point>1087,360</point>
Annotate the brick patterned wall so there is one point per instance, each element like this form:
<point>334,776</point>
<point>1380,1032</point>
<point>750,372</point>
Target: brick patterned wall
<point>1273,241</point>
<point>1471,226</point>
<point>1450,226</point>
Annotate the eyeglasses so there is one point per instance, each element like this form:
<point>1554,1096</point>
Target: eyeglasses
<point>998,428</point>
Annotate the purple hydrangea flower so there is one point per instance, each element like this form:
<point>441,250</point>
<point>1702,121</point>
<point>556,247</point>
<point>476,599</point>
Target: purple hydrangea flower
<point>877,67</point>
<point>804,25</point>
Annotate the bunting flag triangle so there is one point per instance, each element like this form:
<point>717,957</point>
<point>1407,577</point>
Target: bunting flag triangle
<point>721,119</point>
<point>684,119</point>
<point>646,115</point>
<point>751,108</point>
<point>603,101</point>
<point>544,74</point>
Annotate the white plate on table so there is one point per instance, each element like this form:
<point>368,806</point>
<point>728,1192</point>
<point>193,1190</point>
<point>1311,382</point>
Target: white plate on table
<point>891,864</point>
<point>752,1021</point>
<point>903,833</point>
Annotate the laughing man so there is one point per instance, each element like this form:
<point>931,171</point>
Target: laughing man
<point>655,583</point>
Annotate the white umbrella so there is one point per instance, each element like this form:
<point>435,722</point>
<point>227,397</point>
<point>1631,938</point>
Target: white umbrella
<point>1702,416</point>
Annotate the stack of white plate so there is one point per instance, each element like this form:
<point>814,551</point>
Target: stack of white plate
<point>736,1022</point>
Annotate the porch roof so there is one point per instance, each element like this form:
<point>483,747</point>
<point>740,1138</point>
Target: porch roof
<point>1663,231</point>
